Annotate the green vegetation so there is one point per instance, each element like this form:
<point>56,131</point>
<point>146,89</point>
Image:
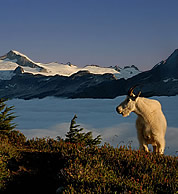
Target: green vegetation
<point>75,135</point>
<point>6,117</point>
<point>78,164</point>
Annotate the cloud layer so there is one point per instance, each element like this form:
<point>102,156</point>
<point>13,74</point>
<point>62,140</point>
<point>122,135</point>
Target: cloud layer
<point>52,116</point>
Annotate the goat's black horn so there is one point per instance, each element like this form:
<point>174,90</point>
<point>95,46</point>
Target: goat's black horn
<point>130,92</point>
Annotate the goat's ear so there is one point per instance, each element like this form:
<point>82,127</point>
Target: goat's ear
<point>138,94</point>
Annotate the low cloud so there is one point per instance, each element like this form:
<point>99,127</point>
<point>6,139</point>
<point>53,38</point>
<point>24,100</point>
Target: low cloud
<point>171,141</point>
<point>54,131</point>
<point>52,116</point>
<point>121,134</point>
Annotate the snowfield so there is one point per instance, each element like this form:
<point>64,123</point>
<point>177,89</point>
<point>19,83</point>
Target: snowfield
<point>51,117</point>
<point>67,70</point>
<point>55,68</point>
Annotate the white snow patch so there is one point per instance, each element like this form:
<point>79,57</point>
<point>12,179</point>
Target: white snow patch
<point>14,60</point>
<point>174,80</point>
<point>6,69</point>
<point>6,75</point>
<point>8,65</point>
<point>100,70</point>
<point>31,70</point>
<point>127,73</point>
<point>170,79</point>
<point>166,80</point>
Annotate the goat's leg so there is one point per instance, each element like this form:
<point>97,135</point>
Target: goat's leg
<point>142,143</point>
<point>144,147</point>
<point>141,139</point>
<point>161,146</point>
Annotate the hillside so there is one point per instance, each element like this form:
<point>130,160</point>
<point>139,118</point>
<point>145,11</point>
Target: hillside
<point>48,165</point>
<point>78,163</point>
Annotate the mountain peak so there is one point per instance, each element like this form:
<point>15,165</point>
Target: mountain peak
<point>173,58</point>
<point>22,60</point>
<point>14,54</point>
<point>175,53</point>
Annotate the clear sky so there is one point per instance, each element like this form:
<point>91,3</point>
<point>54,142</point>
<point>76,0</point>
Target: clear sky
<point>103,32</point>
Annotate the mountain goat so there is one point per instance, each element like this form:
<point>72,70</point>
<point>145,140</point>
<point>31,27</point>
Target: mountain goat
<point>151,123</point>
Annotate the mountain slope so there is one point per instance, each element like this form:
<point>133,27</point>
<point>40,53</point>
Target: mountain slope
<point>161,80</point>
<point>27,86</point>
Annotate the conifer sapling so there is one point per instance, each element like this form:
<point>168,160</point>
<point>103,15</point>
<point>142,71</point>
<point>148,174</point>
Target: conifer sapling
<point>75,135</point>
<point>6,117</point>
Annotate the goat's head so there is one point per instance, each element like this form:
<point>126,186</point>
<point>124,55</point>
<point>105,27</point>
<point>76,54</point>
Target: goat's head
<point>128,105</point>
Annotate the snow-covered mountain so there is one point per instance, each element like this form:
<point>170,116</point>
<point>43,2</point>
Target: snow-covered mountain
<point>13,59</point>
<point>21,77</point>
<point>161,80</point>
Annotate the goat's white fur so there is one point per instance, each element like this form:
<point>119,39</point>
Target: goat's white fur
<point>151,123</point>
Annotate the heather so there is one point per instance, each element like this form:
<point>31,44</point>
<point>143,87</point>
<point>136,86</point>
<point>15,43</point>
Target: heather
<point>79,163</point>
<point>44,165</point>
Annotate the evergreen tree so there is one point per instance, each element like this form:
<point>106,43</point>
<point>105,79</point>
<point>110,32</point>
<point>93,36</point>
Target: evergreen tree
<point>6,117</point>
<point>75,135</point>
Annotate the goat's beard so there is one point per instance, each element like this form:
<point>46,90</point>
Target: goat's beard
<point>125,114</point>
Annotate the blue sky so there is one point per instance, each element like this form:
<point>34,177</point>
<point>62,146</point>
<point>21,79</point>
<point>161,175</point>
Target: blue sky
<point>103,32</point>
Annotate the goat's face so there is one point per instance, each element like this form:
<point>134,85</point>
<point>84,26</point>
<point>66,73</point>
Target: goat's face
<point>128,105</point>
